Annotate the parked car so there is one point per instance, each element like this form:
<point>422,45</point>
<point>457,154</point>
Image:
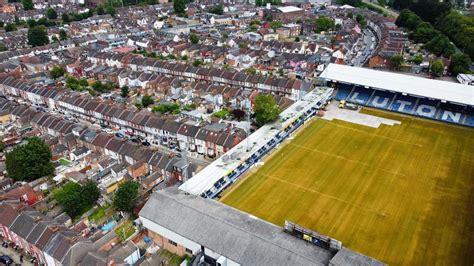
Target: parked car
<point>6,260</point>
<point>119,135</point>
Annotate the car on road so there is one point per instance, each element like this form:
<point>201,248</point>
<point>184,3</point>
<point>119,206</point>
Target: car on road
<point>6,260</point>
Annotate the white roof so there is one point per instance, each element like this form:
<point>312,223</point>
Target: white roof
<point>286,9</point>
<point>206,178</point>
<point>411,85</point>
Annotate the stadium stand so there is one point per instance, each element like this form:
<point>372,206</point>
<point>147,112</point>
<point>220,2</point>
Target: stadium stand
<point>445,101</point>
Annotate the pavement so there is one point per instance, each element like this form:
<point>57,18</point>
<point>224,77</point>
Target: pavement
<point>334,112</point>
<point>14,255</point>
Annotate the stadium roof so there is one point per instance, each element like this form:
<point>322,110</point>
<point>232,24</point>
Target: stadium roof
<point>406,84</point>
<point>239,236</point>
<point>286,9</point>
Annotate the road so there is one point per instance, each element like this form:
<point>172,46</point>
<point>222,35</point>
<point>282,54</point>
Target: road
<point>390,12</point>
<point>362,55</point>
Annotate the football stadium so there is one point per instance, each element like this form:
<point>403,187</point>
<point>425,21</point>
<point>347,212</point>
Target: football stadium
<point>400,192</point>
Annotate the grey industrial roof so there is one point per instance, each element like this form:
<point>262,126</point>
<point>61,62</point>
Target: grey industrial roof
<point>229,232</point>
<point>416,86</point>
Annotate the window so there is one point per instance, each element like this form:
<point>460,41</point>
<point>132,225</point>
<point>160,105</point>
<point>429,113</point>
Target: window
<point>189,251</point>
<point>172,242</point>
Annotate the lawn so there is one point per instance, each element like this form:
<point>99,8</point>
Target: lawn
<point>64,162</point>
<point>99,214</point>
<point>402,194</point>
<point>125,230</point>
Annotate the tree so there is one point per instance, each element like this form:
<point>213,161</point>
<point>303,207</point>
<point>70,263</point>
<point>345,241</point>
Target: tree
<point>124,91</point>
<point>2,24</point>
<point>397,61</point>
<point>10,27</point>
<point>110,10</point>
<point>62,35</point>
<point>350,15</point>
<point>2,146</point>
<point>37,36</point>
<point>166,108</point>
<point>179,7</point>
<point>65,17</point>
<point>51,13</point>
<point>193,38</point>
<point>147,100</point>
<point>265,109</point>
<point>361,20</point>
<point>408,19</point>
<point>56,72</point>
<point>460,63</point>
<point>440,45</point>
<point>30,161</point>
<point>76,199</point>
<point>3,47</point>
<point>238,114</point>
<point>259,2</point>
<point>28,4</point>
<point>126,196</point>
<point>437,68</point>
<point>217,9</point>
<point>324,23</point>
<point>197,63</point>
<point>100,10</point>
<point>276,24</point>
<point>424,33</point>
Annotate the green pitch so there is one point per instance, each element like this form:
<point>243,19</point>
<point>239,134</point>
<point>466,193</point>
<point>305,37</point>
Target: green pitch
<point>402,194</point>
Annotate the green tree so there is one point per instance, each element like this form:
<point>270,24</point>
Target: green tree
<point>126,196</point>
<point>2,146</point>
<point>179,7</point>
<point>2,24</point>
<point>217,9</point>
<point>460,63</point>
<point>100,10</point>
<point>418,59</point>
<point>56,72</point>
<point>62,35</point>
<point>408,19</point>
<point>10,27</point>
<point>110,10</point>
<point>424,33</point>
<point>397,61</point>
<point>38,36</point>
<point>28,4</point>
<point>437,68</point>
<point>65,17</point>
<point>259,2</point>
<point>3,47</point>
<point>193,38</point>
<point>350,15</point>
<point>147,100</point>
<point>440,45</point>
<point>265,109</point>
<point>276,24</point>
<point>324,23</point>
<point>51,13</point>
<point>30,161</point>
<point>77,199</point>
<point>361,20</point>
<point>197,63</point>
<point>166,108</point>
<point>124,91</point>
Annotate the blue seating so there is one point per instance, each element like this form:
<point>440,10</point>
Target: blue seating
<point>426,108</point>
<point>451,116</point>
<point>469,120</point>
<point>403,104</point>
<point>360,95</point>
<point>343,91</point>
<point>381,99</point>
